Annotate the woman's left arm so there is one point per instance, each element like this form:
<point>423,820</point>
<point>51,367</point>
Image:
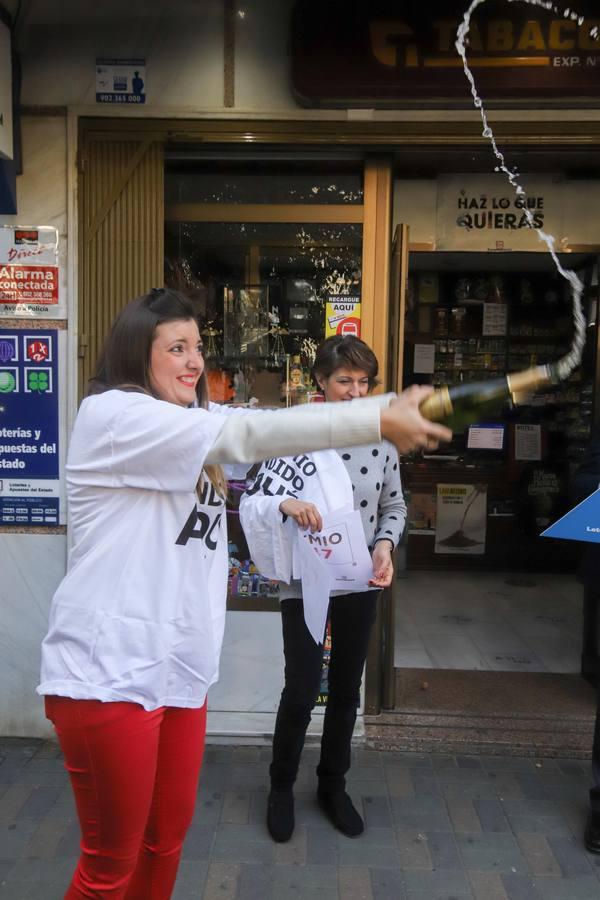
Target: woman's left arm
<point>391,516</point>
<point>391,513</point>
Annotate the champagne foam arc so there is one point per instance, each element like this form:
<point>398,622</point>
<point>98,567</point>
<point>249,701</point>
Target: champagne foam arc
<point>563,367</point>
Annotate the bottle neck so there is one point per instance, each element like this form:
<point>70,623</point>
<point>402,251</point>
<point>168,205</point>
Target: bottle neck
<point>521,384</point>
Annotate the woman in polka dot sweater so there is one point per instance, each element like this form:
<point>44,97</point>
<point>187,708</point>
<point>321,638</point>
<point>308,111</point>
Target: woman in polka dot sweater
<point>345,368</point>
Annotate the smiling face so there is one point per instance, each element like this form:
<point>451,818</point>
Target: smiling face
<point>344,384</point>
<point>176,361</point>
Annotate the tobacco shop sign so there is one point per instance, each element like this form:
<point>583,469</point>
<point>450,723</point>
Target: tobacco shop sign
<point>378,53</point>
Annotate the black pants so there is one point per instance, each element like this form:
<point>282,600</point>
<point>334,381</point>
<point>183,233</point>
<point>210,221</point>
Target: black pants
<point>590,655</point>
<point>351,616</point>
<point>595,789</point>
<point>591,646</point>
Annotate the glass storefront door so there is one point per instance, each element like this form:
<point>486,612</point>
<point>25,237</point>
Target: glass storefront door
<point>272,259</point>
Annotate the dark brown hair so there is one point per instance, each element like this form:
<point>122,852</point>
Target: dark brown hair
<point>124,363</point>
<point>345,351</point>
<point>125,359</point>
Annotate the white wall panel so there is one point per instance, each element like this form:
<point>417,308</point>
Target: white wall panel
<point>182,44</point>
<point>32,566</point>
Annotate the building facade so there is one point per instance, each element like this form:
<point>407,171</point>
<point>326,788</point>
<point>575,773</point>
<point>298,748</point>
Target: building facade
<point>297,172</point>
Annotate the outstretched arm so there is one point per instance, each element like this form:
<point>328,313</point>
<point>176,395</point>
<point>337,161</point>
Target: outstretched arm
<point>286,432</point>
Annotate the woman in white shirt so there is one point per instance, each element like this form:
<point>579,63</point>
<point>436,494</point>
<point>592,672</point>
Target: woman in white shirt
<point>137,623</point>
<point>365,478</point>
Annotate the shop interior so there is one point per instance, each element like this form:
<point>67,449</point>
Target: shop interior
<point>511,601</point>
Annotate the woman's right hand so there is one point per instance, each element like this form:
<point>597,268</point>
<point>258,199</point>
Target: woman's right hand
<point>305,514</point>
<point>404,426</point>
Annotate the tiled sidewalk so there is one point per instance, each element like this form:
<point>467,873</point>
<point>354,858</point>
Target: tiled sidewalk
<point>438,827</point>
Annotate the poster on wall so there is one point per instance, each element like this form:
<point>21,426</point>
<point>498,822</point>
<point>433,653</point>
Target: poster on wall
<point>29,427</point>
<point>424,359</point>
<point>342,315</point>
<point>483,213</point>
<point>495,316</point>
<point>121,81</point>
<point>528,442</point>
<point>543,495</point>
<point>461,513</point>
<point>29,273</point>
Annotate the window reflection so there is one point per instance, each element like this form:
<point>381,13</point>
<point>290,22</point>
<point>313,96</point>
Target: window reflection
<point>261,291</point>
<point>186,182</point>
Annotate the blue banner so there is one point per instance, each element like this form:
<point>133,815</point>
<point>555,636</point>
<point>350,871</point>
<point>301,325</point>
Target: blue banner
<point>582,523</point>
<point>29,485</point>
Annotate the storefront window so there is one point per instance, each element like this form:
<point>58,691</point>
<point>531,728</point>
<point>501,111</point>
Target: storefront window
<point>270,279</point>
<point>266,293</point>
<point>471,317</point>
<point>188,183</point>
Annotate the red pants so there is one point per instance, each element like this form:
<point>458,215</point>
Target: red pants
<point>135,775</point>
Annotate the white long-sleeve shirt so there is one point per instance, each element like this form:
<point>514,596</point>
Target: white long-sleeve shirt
<point>140,613</point>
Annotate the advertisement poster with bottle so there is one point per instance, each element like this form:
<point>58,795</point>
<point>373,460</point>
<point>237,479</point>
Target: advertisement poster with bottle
<point>461,513</point>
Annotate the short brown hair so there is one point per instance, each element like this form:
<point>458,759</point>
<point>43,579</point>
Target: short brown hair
<point>345,351</point>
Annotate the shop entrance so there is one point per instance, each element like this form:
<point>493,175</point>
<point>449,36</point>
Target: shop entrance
<point>484,602</point>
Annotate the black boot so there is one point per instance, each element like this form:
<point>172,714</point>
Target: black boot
<point>339,808</point>
<point>280,814</point>
<point>591,837</point>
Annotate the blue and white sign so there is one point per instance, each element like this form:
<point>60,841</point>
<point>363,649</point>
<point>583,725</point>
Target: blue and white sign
<point>121,81</point>
<point>582,523</point>
<point>29,475</point>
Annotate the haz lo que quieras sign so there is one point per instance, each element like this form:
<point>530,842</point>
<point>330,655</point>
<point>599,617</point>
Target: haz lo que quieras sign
<point>29,462</point>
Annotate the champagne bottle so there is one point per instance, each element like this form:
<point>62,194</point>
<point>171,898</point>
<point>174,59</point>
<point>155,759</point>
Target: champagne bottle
<point>463,404</point>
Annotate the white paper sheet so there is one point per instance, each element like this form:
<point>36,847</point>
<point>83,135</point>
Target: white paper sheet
<point>494,319</point>
<point>342,547</point>
<point>334,559</point>
<point>424,359</point>
<point>528,442</point>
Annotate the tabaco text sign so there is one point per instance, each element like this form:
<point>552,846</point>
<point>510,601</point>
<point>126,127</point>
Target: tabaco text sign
<point>377,53</point>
